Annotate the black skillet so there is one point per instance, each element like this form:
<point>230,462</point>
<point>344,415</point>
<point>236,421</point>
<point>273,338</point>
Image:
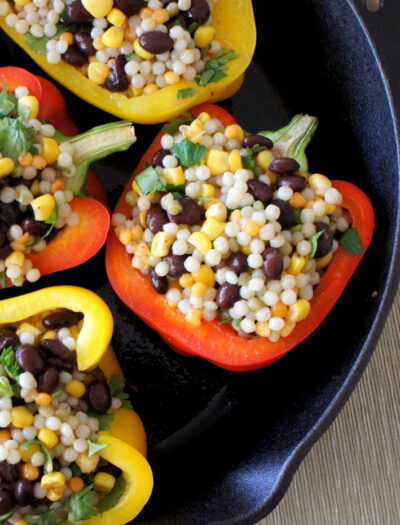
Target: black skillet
<point>225,446</point>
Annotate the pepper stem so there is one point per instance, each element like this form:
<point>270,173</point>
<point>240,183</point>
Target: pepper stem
<point>293,139</point>
<point>94,145</point>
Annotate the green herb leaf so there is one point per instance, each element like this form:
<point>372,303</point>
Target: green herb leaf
<point>3,517</point>
<point>297,214</point>
<point>82,505</point>
<point>215,69</point>
<point>104,420</point>
<point>296,228</point>
<point>192,28</point>
<point>38,238</point>
<point>132,56</point>
<point>3,279</point>
<point>39,44</point>
<point>112,498</point>
<point>117,386</point>
<point>50,517</point>
<point>351,242</point>
<point>95,447</point>
<point>52,218</point>
<point>16,138</point>
<point>313,240</point>
<point>172,187</point>
<point>236,322</point>
<point>255,149</point>
<point>149,182</point>
<point>48,465</point>
<point>228,319</point>
<point>5,387</point>
<point>248,162</point>
<point>185,93</point>
<point>9,362</point>
<point>204,199</point>
<point>174,124</point>
<point>8,102</point>
<point>188,153</point>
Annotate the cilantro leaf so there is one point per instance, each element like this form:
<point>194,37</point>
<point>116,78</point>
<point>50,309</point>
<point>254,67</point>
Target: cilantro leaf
<point>215,69</point>
<point>48,465</point>
<point>297,214</point>
<point>38,238</point>
<point>204,199</point>
<point>3,279</point>
<point>149,181</point>
<point>3,517</point>
<point>117,386</point>
<point>248,162</point>
<point>16,138</point>
<point>52,218</point>
<point>192,28</point>
<point>228,319</point>
<point>112,498</point>
<point>185,93</point>
<point>104,420</point>
<point>5,388</point>
<point>82,505</point>
<point>351,242</point>
<point>50,517</point>
<point>95,447</point>
<point>174,124</point>
<point>188,153</point>
<point>8,102</point>
<point>313,240</point>
<point>9,362</point>
<point>40,44</point>
<point>172,187</point>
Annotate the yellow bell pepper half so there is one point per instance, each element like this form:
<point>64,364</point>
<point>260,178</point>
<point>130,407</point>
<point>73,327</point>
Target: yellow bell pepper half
<point>235,29</point>
<point>126,436</point>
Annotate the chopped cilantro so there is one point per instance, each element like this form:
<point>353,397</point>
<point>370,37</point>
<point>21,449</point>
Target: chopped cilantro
<point>94,448</point>
<point>8,102</point>
<point>313,240</point>
<point>52,218</point>
<point>132,56</point>
<point>204,199</point>
<point>192,28</point>
<point>3,517</point>
<point>81,505</point>
<point>6,389</point>
<point>40,44</point>
<point>149,182</point>
<point>226,320</point>
<point>38,238</point>
<point>117,386</point>
<point>188,153</point>
<point>248,162</point>
<point>297,214</point>
<point>111,499</point>
<point>174,124</point>
<point>351,242</point>
<point>172,187</point>
<point>185,93</point>
<point>9,362</point>
<point>104,420</point>
<point>215,69</point>
<point>16,138</point>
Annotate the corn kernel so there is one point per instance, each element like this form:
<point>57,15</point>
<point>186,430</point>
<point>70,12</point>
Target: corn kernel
<point>67,37</point>
<point>116,17</point>
<point>252,228</point>
<point>24,238</point>
<point>298,310</point>
<point>87,464</point>
<point>113,37</point>
<point>141,249</point>
<point>235,160</point>
<point>212,228</point>
<point>54,494</point>
<point>186,280</point>
<point>203,117</point>
<point>17,258</point>
<point>245,249</point>
<point>319,183</point>
<point>27,453</point>
<point>25,160</point>
<point>75,388</point>
<point>150,88</point>
<point>217,161</point>
<point>146,12</point>
<point>142,218</point>
<point>20,521</point>
<point>125,236</point>
<point>48,437</point>
<point>39,162</point>
<point>43,206</point>
<point>329,209</point>
<point>322,262</point>
<point>21,417</point>
<point>200,241</point>
<point>136,233</point>
<point>30,102</point>
<point>161,244</point>
<point>287,329</point>
<point>194,317</point>
<point>297,200</point>
<point>174,176</point>
<point>203,36</point>
<point>160,16</point>
<point>138,49</point>
<point>5,435</point>
<point>7,166</point>
<point>264,159</point>
<point>98,9</point>
<point>199,289</point>
<point>103,482</point>
<point>207,190</point>
<point>21,3</point>
<point>43,399</point>
<point>171,78</point>
<point>236,215</point>
<point>27,327</point>
<point>296,264</point>
<point>205,275</point>
<point>50,150</point>
<point>136,92</point>
<point>29,471</point>
<point>98,72</point>
<point>50,334</point>
<point>262,329</point>
<point>279,309</point>
<point>217,211</point>
<point>52,480</point>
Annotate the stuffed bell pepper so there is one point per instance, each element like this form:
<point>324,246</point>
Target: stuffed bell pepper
<point>227,245</point>
<point>47,220</point>
<point>142,60</point>
<point>71,447</point>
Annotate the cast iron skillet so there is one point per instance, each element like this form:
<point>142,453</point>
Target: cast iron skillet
<point>225,446</point>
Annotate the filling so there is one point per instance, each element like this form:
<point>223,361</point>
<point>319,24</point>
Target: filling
<point>131,46</point>
<point>50,416</point>
<point>230,230</point>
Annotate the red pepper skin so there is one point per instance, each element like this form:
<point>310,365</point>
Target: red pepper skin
<point>220,344</point>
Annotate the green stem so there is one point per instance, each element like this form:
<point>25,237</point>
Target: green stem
<point>293,139</point>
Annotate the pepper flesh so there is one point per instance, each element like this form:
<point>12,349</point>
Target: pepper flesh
<point>219,343</point>
<point>235,29</point>
<point>126,450</point>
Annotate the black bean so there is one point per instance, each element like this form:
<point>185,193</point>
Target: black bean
<point>10,213</point>
<point>176,265</point>
<point>61,319</point>
<point>74,57</point>
<point>158,157</point>
<point>35,227</point>
<point>112,469</point>
<point>99,396</point>
<point>6,501</point>
<point>237,262</point>
<point>84,42</point>
<point>59,364</point>
<point>48,382</point>
<point>260,190</point>
<point>23,492</point>
<point>117,80</point>
<point>286,218</point>
<point>199,11</point>
<point>8,338</point>
<point>284,165</point>
<point>324,241</point>
<point>190,214</point>
<point>156,218</point>
<point>129,7</point>
<point>30,358</point>
<point>295,182</point>
<point>58,349</point>
<point>77,13</point>
<point>98,374</point>
<point>5,251</point>
<point>8,473</point>
<point>3,238</point>
<point>257,140</point>
<point>227,295</point>
<point>156,42</point>
<point>273,263</point>
<point>160,284</point>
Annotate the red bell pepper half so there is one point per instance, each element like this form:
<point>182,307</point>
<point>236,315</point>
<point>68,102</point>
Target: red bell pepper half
<point>73,246</point>
<point>219,344</point>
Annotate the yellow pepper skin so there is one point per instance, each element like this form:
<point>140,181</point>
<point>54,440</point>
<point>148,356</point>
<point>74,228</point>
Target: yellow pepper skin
<point>126,436</point>
<point>234,28</point>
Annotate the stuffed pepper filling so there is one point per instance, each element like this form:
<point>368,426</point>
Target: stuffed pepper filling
<point>50,416</point>
<point>136,47</point>
<point>229,230</point>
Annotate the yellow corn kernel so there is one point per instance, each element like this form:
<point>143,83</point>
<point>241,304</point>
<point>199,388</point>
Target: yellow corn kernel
<point>43,206</point>
<point>113,37</point>
<point>141,249</point>
<point>57,185</point>
<point>171,78</point>
<point>264,159</point>
<point>205,275</point>
<point>207,190</point>
<point>30,102</point>
<point>20,521</point>
<point>98,72</point>
<point>67,37</point>
<point>7,166</point>
<point>125,236</point>
<point>322,262</point>
<point>29,471</point>
<point>329,209</point>
<point>160,16</point>
<point>212,228</point>
<point>98,45</point>
<point>217,211</point>
<point>87,464</point>
<point>39,162</point>
<point>296,264</point>
<point>50,150</point>
<point>75,388</point>
<point>203,117</point>
<point>138,49</point>
<point>136,92</point>
<point>199,289</point>
<point>142,218</point>
<point>149,89</point>
<point>43,399</point>
<point>116,17</point>
<point>103,482</point>
<point>98,8</point>
<point>48,437</point>
<point>194,317</point>
<point>203,36</point>
<point>186,280</point>
<point>279,309</point>
<point>27,327</point>
<point>135,187</point>
<point>262,329</point>
<point>161,244</point>
<point>25,160</point>
<point>21,3</point>
<point>319,183</point>
<point>21,417</point>
<point>236,215</point>
<point>54,494</point>
<point>24,238</point>
<point>235,160</point>
<point>287,329</point>
<point>252,228</point>
<point>17,258</point>
<point>297,200</point>
<point>146,12</point>
<point>298,310</point>
<point>5,435</point>
<point>234,131</point>
<point>217,161</point>
<point>200,241</point>
<point>174,176</point>
<point>245,249</point>
<point>52,480</point>
<point>50,334</point>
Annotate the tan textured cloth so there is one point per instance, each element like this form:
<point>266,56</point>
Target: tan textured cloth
<point>352,475</point>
